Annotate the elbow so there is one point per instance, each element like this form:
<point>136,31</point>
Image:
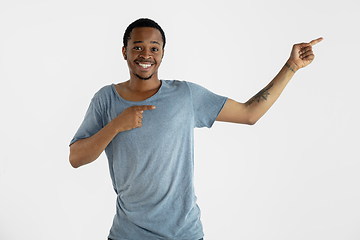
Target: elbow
<point>74,158</point>
<point>73,162</point>
<point>251,121</point>
<point>251,116</point>
<point>78,157</point>
<point>246,121</point>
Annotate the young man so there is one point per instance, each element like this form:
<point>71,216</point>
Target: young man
<point>145,125</point>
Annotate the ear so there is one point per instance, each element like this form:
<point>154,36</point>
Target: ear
<point>124,53</point>
<point>163,52</point>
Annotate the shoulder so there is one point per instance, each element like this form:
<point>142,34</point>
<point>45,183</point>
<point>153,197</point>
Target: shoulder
<point>195,88</point>
<point>179,84</point>
<point>178,87</point>
<point>103,96</point>
<point>104,92</point>
<point>184,87</point>
<point>171,85</point>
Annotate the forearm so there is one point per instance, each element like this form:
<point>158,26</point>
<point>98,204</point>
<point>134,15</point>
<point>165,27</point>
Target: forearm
<point>259,104</point>
<point>87,150</point>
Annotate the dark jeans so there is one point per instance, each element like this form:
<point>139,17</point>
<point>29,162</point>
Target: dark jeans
<point>199,239</point>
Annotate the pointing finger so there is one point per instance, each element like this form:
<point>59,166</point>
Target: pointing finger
<point>145,107</point>
<point>313,42</point>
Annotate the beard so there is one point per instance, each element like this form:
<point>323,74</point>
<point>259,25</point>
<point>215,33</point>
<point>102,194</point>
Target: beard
<point>147,78</point>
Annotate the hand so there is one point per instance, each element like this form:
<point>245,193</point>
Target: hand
<point>131,117</point>
<point>302,54</point>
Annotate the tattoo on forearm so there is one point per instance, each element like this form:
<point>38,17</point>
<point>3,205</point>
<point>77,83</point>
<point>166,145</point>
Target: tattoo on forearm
<point>261,96</point>
<point>286,64</point>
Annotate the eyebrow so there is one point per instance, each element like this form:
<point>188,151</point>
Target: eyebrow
<point>150,42</point>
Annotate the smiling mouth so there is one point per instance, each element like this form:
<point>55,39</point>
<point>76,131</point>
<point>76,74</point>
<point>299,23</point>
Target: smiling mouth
<point>144,65</point>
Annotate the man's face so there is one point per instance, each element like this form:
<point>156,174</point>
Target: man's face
<point>144,52</point>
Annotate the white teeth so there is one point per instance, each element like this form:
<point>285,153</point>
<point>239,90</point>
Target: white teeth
<point>145,65</point>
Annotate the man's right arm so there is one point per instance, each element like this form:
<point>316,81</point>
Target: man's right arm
<point>87,150</point>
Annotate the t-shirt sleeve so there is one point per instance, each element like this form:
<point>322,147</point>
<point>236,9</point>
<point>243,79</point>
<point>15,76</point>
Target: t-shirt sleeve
<point>206,105</point>
<point>92,122</point>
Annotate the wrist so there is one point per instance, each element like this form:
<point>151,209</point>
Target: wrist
<point>291,66</point>
<point>115,127</point>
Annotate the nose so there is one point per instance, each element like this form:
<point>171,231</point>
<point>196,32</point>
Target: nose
<point>146,54</point>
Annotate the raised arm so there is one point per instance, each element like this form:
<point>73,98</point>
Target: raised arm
<point>251,111</point>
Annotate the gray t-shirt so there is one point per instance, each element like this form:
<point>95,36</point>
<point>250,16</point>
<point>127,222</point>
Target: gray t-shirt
<point>152,167</point>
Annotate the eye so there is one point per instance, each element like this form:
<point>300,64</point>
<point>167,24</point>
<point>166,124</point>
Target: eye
<point>137,48</point>
<point>155,49</point>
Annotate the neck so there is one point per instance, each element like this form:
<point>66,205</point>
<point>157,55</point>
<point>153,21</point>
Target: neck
<point>136,84</point>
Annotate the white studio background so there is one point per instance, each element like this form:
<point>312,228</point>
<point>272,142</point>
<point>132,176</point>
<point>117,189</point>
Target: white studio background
<point>293,175</point>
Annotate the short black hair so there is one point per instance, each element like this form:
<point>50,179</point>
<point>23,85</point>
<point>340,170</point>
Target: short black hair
<point>142,22</point>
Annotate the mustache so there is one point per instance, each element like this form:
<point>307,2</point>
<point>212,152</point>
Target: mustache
<point>144,61</point>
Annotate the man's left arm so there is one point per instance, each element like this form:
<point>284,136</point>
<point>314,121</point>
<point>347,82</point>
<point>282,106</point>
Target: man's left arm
<point>251,111</point>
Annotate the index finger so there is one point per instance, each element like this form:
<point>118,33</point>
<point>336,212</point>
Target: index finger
<point>145,107</point>
<point>313,42</point>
